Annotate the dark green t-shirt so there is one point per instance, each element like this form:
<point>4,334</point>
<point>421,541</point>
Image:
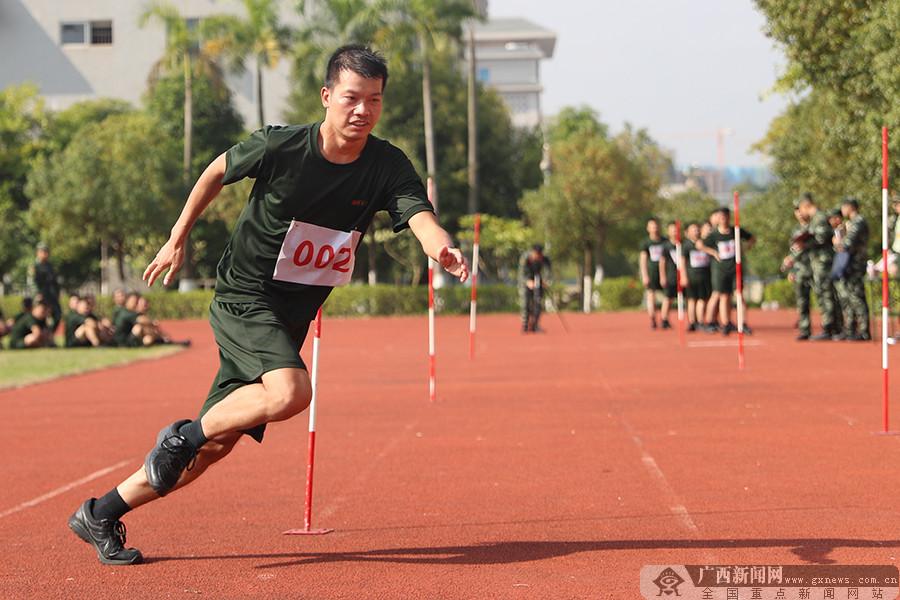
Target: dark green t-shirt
<point>671,258</point>
<point>297,187</point>
<point>723,243</point>
<point>72,321</point>
<point>124,322</point>
<point>654,249</point>
<point>696,261</point>
<point>22,327</point>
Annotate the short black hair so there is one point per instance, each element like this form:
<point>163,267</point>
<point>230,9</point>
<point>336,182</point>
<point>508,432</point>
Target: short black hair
<point>807,197</point>
<point>359,59</point>
<point>851,202</point>
<point>722,209</point>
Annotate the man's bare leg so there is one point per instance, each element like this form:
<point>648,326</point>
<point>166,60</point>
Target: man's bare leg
<point>712,308</point>
<point>651,306</point>
<point>280,395</point>
<point>666,308</point>
<point>136,491</point>
<point>724,309</point>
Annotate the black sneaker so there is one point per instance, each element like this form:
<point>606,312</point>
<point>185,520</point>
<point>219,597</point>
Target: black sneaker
<point>107,537</point>
<point>666,324</point>
<point>692,327</point>
<point>802,337</point>
<point>653,323</point>
<point>169,458</point>
<point>728,329</point>
<point>747,329</point>
<point>822,337</point>
<point>712,328</point>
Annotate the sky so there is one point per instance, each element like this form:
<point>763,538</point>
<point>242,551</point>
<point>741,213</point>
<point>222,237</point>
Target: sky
<point>682,69</point>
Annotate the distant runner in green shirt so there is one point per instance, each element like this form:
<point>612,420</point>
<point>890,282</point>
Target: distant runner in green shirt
<point>317,188</point>
<point>699,284</point>
<point>653,267</point>
<point>720,245</point>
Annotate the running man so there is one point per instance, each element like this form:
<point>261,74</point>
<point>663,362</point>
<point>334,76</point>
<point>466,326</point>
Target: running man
<point>652,267</point>
<point>720,245</point>
<point>317,189</point>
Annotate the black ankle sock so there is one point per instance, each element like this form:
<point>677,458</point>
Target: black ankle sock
<point>111,506</point>
<point>193,433</point>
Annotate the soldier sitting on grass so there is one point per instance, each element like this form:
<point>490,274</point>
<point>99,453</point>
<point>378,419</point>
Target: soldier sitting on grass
<point>31,330</point>
<point>84,328</point>
<point>150,331</point>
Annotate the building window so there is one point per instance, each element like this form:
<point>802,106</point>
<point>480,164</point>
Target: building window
<point>101,32</point>
<point>95,33</point>
<point>73,33</point>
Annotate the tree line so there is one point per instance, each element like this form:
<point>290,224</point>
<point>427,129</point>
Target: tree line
<point>104,179</point>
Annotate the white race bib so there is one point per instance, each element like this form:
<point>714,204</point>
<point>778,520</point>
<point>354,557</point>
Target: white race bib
<point>315,255</point>
<point>699,259</point>
<point>726,250</point>
<point>656,252</point>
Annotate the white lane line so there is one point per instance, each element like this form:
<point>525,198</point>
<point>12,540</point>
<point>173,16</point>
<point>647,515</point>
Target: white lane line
<point>722,344</point>
<point>62,490</point>
<point>676,507</point>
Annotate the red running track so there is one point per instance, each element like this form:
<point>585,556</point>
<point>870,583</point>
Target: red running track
<point>553,466</point>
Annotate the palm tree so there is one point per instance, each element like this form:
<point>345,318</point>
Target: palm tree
<point>328,24</point>
<point>422,25</point>
<point>181,53</point>
<point>259,35</point>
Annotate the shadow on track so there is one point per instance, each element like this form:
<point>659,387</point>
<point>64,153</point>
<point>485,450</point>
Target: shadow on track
<point>809,550</point>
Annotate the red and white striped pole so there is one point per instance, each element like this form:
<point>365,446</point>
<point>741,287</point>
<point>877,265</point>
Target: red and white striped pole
<point>432,370</point>
<point>473,304</point>
<point>678,274</point>
<point>885,296</point>
<point>311,451</point>
<point>739,279</point>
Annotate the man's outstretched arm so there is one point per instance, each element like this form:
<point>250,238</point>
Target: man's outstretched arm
<point>171,255</point>
<point>437,244</point>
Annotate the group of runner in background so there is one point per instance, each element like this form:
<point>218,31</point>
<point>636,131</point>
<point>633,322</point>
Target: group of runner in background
<point>707,268</point>
<point>827,257</point>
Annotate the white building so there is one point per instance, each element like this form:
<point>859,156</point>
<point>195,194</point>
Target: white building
<point>77,50</point>
<point>508,55</point>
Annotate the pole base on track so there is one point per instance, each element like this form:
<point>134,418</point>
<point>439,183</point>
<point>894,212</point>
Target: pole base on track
<point>307,531</point>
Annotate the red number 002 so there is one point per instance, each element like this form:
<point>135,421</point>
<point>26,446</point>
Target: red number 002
<point>305,251</point>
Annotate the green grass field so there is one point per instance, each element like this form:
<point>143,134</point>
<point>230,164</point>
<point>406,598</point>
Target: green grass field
<point>20,367</point>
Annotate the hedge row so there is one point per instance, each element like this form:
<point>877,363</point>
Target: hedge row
<point>358,300</point>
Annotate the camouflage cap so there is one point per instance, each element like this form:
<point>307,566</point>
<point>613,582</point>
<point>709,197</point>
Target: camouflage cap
<point>835,212</point>
<point>42,246</point>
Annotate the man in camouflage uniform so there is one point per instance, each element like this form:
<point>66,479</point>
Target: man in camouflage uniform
<point>821,256</point>
<point>800,272</point>
<point>855,242</point>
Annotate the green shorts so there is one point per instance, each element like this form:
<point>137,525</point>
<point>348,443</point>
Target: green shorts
<point>723,279</point>
<point>699,285</point>
<point>653,273</point>
<point>253,339</point>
